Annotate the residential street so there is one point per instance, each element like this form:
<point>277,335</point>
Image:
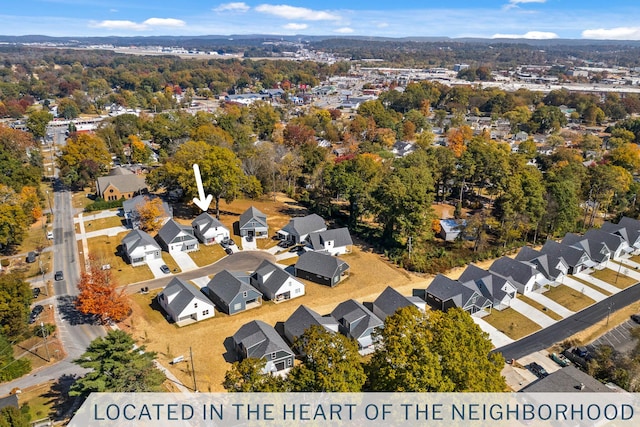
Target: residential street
<point>569,326</point>
<point>75,331</point>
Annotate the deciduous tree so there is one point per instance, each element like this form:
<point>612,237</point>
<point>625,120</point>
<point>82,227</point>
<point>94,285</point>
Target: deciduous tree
<point>331,363</point>
<point>248,376</point>
<point>149,214</point>
<point>15,298</point>
<point>99,295</point>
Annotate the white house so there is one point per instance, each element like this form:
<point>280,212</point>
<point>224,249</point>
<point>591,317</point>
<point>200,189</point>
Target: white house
<point>336,241</point>
<point>209,230</point>
<point>184,303</point>
<point>139,247</point>
<point>176,238</point>
<point>276,284</point>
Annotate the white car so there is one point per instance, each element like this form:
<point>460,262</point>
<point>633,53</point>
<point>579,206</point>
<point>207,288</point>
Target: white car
<point>50,235</point>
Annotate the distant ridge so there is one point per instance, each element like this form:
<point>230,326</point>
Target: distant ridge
<point>256,39</point>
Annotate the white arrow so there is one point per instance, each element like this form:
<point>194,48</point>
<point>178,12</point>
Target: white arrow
<point>201,201</point>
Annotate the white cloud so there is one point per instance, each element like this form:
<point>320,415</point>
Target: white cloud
<point>344,30</point>
<point>382,25</point>
<point>113,10</point>
<point>232,7</point>
<point>164,22</point>
<point>535,35</point>
<point>119,25</point>
<point>515,3</point>
<point>294,26</point>
<point>619,33</point>
<point>138,26</point>
<point>293,12</point>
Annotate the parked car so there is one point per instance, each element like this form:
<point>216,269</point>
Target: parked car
<point>636,317</point>
<point>31,257</point>
<point>296,248</point>
<point>35,313</point>
<point>165,269</point>
<point>537,370</point>
<point>229,251</point>
<point>36,292</point>
<point>58,276</point>
<point>50,235</point>
<point>582,352</point>
<point>249,238</point>
<point>230,242</point>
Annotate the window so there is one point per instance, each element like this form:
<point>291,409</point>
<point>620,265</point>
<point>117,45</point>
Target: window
<point>289,362</point>
<point>244,294</point>
<point>205,312</point>
<point>273,355</point>
<point>296,291</point>
<point>195,305</point>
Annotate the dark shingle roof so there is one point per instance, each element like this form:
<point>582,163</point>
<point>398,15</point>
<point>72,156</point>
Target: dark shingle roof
<point>305,224</point>
<point>352,311</point>
<point>260,339</point>
<point>541,261</point>
<point>321,263</point>
<point>125,183</point>
<point>595,249</point>
<point>518,271</point>
<point>613,241</point>
<point>137,238</point>
<point>390,300</point>
<point>184,294</point>
<point>557,250</point>
<point>567,380</point>
<point>226,285</point>
<point>444,288</point>
<point>252,213</point>
<point>276,276</point>
<point>204,221</point>
<point>303,318</point>
<point>171,229</point>
<point>632,226</point>
<point>339,236</point>
<point>487,283</point>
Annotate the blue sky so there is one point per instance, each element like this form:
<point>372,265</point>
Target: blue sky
<point>536,19</point>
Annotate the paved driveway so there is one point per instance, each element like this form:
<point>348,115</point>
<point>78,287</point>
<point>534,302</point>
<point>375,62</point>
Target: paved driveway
<point>531,313</point>
<point>154,265</point>
<point>201,282</point>
<point>249,246</point>
<point>184,261</point>
<point>497,338</point>
<point>581,287</point>
<point>550,304</point>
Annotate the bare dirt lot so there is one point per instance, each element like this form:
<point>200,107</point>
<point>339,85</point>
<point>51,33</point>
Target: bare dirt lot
<point>370,274</point>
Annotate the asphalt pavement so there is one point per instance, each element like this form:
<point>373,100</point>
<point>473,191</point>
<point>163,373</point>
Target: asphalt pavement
<point>571,325</point>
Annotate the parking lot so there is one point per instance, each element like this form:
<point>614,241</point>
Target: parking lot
<point>619,338</point>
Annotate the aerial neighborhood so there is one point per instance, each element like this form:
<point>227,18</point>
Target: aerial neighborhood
<point>321,221</point>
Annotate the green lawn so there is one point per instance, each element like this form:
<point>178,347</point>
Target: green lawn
<point>569,298</point>
<point>538,306</point>
<point>511,323</point>
<point>613,278</point>
<point>102,223</point>
<point>207,255</point>
<point>591,285</point>
<point>105,250</point>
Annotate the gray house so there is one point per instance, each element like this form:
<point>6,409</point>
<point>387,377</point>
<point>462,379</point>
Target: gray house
<point>253,223</point>
<point>208,229</point>
<point>139,247</point>
<point>176,238</point>
<point>390,301</point>
<point>321,268</point>
<point>131,207</point>
<point>299,228</point>
<point>302,319</point>
<point>444,293</point>
<point>576,259</point>
<point>258,340</point>
<point>357,322</point>
<point>184,303</point>
<point>276,284</point>
<point>232,293</point>
<point>616,244</point>
<point>336,241</point>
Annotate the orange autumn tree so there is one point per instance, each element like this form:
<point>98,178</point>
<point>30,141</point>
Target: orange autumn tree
<point>457,139</point>
<point>99,296</point>
<point>150,214</point>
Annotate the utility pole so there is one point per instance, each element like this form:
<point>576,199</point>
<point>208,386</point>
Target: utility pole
<point>193,369</point>
<point>44,337</point>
